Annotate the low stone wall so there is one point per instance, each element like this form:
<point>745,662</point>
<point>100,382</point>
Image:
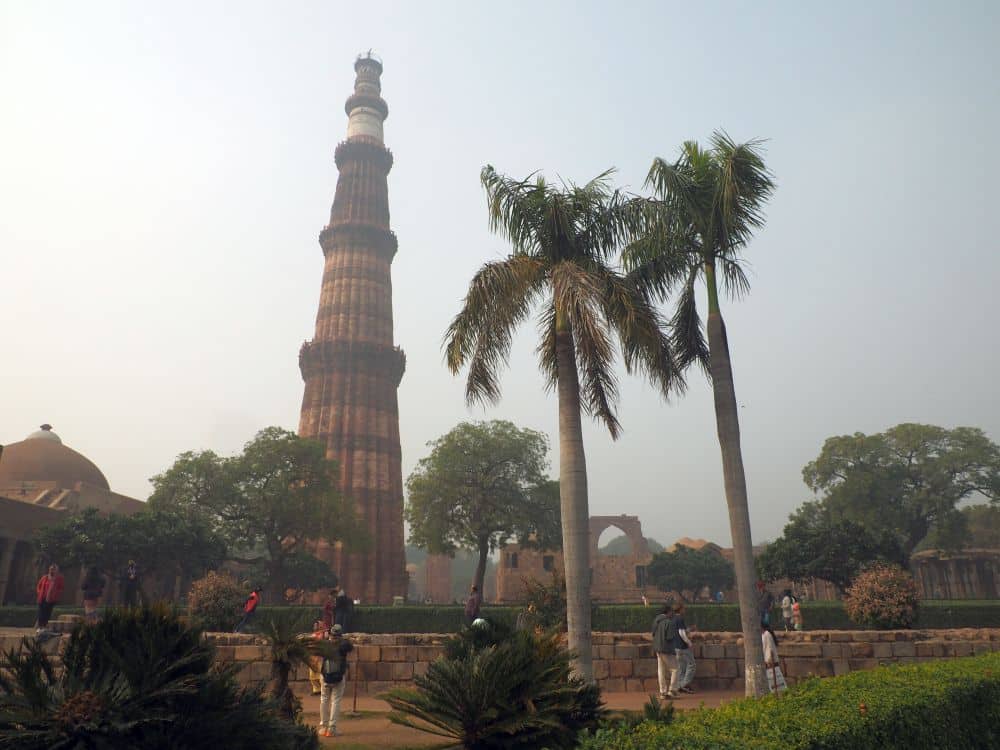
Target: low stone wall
<point>623,662</point>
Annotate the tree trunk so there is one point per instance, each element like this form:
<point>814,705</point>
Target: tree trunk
<point>573,503</point>
<point>728,426</point>
<point>484,552</point>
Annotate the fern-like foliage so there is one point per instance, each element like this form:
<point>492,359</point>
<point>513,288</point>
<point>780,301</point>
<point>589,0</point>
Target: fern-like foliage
<point>516,693</point>
<point>137,679</point>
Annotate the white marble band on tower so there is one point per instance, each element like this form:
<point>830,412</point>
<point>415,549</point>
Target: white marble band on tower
<point>366,110</point>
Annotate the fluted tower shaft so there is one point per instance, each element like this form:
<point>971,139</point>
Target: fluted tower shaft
<point>351,368</point>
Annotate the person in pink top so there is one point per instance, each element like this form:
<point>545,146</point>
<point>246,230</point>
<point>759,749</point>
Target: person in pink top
<point>49,589</point>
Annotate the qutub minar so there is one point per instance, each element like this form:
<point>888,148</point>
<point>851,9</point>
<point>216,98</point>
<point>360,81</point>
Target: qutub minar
<point>351,368</point>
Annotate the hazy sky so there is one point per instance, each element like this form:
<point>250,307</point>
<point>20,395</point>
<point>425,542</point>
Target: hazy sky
<point>165,169</point>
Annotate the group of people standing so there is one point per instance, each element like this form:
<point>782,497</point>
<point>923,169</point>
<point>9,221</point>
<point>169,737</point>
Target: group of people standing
<point>50,587</point>
<point>675,666</point>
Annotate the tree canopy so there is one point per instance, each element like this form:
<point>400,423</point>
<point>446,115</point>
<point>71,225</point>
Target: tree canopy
<point>483,484</point>
<point>904,481</point>
<point>161,540</point>
<point>270,503</point>
<point>688,571</point>
<point>834,551</point>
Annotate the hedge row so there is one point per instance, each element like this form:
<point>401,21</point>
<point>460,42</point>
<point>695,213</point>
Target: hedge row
<point>613,618</point>
<point>951,704</point>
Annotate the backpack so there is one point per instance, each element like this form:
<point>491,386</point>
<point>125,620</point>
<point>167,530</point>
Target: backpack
<point>334,667</point>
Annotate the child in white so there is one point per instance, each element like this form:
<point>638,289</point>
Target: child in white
<point>775,679</point>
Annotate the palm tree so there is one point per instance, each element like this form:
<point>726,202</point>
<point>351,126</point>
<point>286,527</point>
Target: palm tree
<point>290,642</point>
<point>563,239</point>
<point>710,202</point>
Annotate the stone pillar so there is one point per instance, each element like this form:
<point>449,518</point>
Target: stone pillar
<point>351,368</point>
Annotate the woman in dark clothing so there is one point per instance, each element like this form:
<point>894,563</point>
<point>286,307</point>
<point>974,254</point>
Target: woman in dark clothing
<point>93,587</point>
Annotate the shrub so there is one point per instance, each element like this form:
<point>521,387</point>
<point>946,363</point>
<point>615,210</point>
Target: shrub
<point>941,704</point>
<point>215,601</point>
<point>883,596</point>
<point>137,679</point>
<point>549,600</point>
<point>517,692</point>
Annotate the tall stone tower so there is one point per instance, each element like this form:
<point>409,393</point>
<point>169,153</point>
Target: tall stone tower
<point>351,368</point>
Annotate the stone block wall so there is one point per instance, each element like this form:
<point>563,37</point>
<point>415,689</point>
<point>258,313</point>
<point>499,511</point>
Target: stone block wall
<point>623,662</point>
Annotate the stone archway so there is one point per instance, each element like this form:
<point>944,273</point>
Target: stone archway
<point>619,578</point>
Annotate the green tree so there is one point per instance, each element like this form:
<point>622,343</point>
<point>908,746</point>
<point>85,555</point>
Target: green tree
<point>904,481</point>
<point>269,503</point>
<point>690,570</point>
<point>564,239</point>
<point>165,543</point>
<point>482,485</point>
<point>710,203</point>
<point>834,551</point>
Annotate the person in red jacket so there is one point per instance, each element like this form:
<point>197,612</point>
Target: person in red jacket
<point>249,609</point>
<point>49,589</point>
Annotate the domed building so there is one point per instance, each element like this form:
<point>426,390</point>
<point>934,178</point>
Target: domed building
<point>42,479</point>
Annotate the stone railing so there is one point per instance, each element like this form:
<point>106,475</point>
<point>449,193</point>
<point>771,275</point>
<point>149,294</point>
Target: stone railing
<point>623,662</point>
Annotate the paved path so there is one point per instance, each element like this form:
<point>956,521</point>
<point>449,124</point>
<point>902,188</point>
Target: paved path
<point>373,728</point>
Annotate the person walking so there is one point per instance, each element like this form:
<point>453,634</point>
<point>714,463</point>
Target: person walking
<point>683,674</point>
<point>765,600</point>
<point>334,672</point>
<point>796,615</point>
<point>130,585</point>
<point>787,600</point>
<point>472,605</point>
<point>93,588</point>
<point>663,647</point>
<point>775,679</point>
<point>48,590</point>
<point>249,610</point>
<point>343,606</point>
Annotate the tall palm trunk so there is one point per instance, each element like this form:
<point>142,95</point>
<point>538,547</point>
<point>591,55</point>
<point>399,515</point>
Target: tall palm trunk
<point>573,503</point>
<point>728,425</point>
<point>480,574</point>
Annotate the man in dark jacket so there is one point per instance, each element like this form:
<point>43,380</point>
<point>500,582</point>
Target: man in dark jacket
<point>343,605</point>
<point>664,649</point>
<point>334,671</point>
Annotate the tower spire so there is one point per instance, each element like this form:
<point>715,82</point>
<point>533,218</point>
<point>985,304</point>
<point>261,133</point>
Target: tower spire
<point>351,368</point>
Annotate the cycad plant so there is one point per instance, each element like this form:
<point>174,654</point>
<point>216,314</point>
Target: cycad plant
<point>137,679</point>
<point>515,693</point>
<point>710,201</point>
<point>564,240</point>
<point>291,644</point>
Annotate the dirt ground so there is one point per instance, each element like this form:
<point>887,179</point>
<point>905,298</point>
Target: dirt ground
<point>372,729</point>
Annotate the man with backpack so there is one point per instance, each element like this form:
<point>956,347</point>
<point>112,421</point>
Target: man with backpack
<point>249,609</point>
<point>663,638</point>
<point>334,673</point>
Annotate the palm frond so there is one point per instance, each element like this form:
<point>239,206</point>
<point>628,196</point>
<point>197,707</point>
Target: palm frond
<point>500,296</point>
<point>642,332</point>
<point>688,336</point>
<point>578,297</point>
<point>515,207</point>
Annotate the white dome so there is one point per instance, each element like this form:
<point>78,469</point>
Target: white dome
<point>45,433</point>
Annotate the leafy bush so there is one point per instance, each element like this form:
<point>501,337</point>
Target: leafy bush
<point>613,618</point>
<point>549,600</point>
<point>216,600</point>
<point>940,704</point>
<point>883,596</point>
<point>136,679</point>
<point>517,692</point>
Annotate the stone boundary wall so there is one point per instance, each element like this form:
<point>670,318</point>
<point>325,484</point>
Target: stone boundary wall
<point>623,662</point>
